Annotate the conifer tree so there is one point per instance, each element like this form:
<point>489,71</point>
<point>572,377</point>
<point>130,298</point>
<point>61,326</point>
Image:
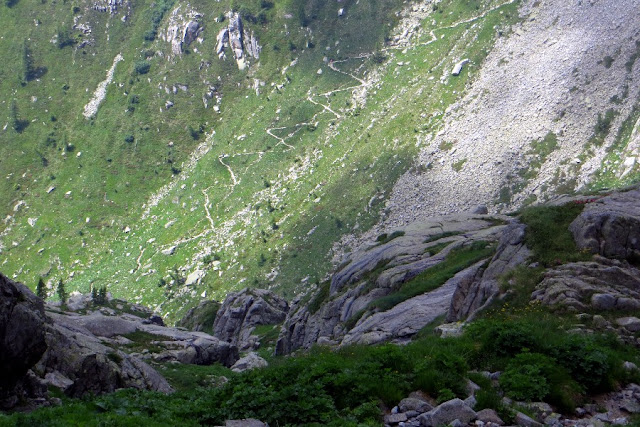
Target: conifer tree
<point>41,290</point>
<point>62,293</point>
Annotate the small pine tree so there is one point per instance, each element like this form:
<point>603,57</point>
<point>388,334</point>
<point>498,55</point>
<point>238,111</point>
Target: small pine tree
<point>41,290</point>
<point>62,293</point>
<point>102,295</point>
<point>94,294</point>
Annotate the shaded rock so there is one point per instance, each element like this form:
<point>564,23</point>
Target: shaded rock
<point>248,362</point>
<point>477,292</point>
<point>610,226</point>
<point>395,418</point>
<point>454,409</point>
<point>602,284</point>
<point>242,42</point>
<point>22,337</point>
<point>526,421</point>
<point>631,324</point>
<point>414,404</point>
<point>407,318</point>
<point>489,416</point>
<point>242,311</point>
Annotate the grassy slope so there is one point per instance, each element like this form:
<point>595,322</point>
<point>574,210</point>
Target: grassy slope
<point>330,176</point>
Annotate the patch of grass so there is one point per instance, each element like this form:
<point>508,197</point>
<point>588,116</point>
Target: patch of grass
<point>603,127</point>
<point>183,377</point>
<point>441,236</point>
<point>143,341</point>
<point>457,166</point>
<point>268,334</point>
<point>320,297</point>
<point>548,234</point>
<point>434,277</point>
<point>385,238</point>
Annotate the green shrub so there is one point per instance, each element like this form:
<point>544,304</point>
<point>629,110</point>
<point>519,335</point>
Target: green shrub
<point>442,370</point>
<point>548,233</point>
<point>526,377</point>
<point>142,67</point>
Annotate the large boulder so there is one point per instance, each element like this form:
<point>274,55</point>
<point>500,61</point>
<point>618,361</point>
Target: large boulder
<point>610,226</point>
<point>242,311</point>
<point>22,336</point>
<point>447,412</point>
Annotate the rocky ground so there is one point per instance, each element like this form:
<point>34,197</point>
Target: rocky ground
<point>558,82</point>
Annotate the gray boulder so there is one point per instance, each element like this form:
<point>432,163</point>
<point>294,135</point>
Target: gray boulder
<point>22,337</point>
<point>242,311</point>
<point>610,226</point>
<point>526,421</point>
<point>248,362</point>
<point>489,416</point>
<point>414,404</point>
<point>454,409</point>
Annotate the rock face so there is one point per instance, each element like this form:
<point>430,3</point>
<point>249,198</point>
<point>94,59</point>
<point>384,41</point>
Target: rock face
<point>377,269</point>
<point>602,284</point>
<point>475,292</point>
<point>22,337</point>
<point>407,318</point>
<point>239,40</point>
<point>241,312</point>
<point>610,226</point>
<point>183,29</point>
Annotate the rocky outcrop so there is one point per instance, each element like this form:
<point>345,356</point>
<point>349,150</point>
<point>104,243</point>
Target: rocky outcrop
<point>602,284</point>
<point>196,348</point>
<point>22,340</point>
<point>610,226</point>
<point>242,42</point>
<point>476,292</point>
<point>183,29</point>
<point>403,321</point>
<point>376,270</point>
<point>241,312</point>
<point>78,362</point>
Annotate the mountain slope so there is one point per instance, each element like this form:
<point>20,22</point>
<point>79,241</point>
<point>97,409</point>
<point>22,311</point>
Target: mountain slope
<point>235,145</point>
